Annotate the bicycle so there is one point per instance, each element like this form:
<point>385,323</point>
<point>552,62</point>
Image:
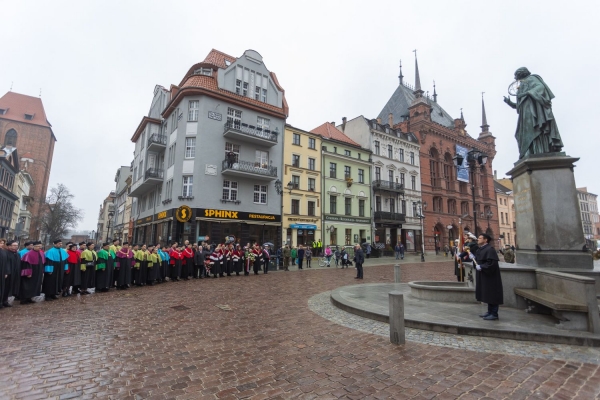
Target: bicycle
<point>324,262</point>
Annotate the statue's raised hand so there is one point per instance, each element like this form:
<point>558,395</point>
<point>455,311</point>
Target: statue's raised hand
<point>509,102</point>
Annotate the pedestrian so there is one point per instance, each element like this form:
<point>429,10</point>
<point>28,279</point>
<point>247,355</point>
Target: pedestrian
<point>27,246</point>
<point>509,255</point>
<point>287,253</point>
<point>300,256</point>
<point>237,259</point>
<point>176,263</point>
<point>401,250</point>
<point>104,258</point>
<point>257,252</point>
<point>359,259</point>
<point>54,271</point>
<point>344,258</point>
<point>214,262</point>
<point>10,273</point>
<point>488,287</point>
<point>88,268</point>
<point>155,269</point>
<point>164,264</point>
<point>397,251</point>
<point>337,255</point>
<point>308,256</point>
<point>73,262</point>
<point>328,255</point>
<point>32,272</point>
<point>124,266</point>
<point>294,254</point>
<point>266,258</point>
<point>446,250</point>
<point>187,264</point>
<point>368,250</point>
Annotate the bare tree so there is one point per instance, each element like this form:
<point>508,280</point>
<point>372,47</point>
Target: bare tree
<point>58,214</point>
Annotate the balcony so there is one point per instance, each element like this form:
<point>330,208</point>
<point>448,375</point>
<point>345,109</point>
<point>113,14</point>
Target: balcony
<point>389,217</point>
<point>157,142</point>
<point>250,134</point>
<point>388,186</point>
<point>250,169</point>
<point>147,183</point>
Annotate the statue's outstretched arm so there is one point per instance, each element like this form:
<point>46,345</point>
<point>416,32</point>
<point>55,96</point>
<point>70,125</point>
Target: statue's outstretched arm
<point>509,102</point>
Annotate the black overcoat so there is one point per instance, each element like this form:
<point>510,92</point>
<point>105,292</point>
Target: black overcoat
<point>488,288</point>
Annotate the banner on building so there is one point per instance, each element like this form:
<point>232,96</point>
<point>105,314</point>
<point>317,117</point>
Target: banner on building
<point>462,173</point>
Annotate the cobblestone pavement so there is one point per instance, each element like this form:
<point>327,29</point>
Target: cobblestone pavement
<point>253,337</point>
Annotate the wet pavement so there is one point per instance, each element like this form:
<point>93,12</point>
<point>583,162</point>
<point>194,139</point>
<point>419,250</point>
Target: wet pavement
<point>255,337</point>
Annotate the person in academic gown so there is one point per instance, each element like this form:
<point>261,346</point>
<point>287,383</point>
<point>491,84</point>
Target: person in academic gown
<point>72,276</point>
<point>102,268</point>
<point>10,262</point>
<point>228,259</point>
<point>141,259</point>
<point>152,265</point>
<point>54,270</point>
<point>110,266</point>
<point>32,273</point>
<point>198,262</point>
<point>77,271</point>
<point>4,280</point>
<point>115,246</point>
<point>215,261</point>
<point>138,257</point>
<point>175,263</point>
<point>187,264</point>
<point>123,266</point>
<point>237,258</point>
<point>256,250</point>
<point>488,285</point>
<point>28,246</point>
<point>164,264</point>
<point>89,257</point>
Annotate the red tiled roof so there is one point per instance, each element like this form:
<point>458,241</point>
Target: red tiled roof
<point>329,131</point>
<point>142,126</point>
<point>17,105</point>
<point>218,58</point>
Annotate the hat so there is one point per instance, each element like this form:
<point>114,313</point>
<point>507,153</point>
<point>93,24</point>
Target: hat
<point>471,236</point>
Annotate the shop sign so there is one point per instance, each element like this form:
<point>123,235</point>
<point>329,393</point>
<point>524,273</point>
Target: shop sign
<point>237,215</point>
<point>183,214</point>
<point>303,226</point>
<point>302,219</point>
<point>143,220</point>
<point>347,219</point>
<point>163,215</point>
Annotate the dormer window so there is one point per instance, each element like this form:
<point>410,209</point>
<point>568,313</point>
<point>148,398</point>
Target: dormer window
<point>28,117</point>
<point>204,71</point>
<point>2,111</point>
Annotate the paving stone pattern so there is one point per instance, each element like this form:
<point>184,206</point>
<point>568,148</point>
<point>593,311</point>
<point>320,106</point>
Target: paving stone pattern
<point>266,343</point>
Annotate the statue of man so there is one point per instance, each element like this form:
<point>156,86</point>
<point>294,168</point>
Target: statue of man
<point>537,132</point>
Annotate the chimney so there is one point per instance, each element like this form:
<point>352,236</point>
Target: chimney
<point>495,175</point>
<point>344,119</point>
<point>379,121</point>
<point>333,123</point>
<point>391,119</point>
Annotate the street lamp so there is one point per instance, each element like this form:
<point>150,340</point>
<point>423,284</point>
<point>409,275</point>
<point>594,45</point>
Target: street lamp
<point>487,215</point>
<point>110,215</point>
<point>475,159</point>
<point>93,238</point>
<point>422,206</point>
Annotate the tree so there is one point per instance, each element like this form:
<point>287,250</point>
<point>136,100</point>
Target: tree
<point>58,214</point>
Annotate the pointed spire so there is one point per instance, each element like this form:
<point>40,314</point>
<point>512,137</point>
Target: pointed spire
<point>462,118</point>
<point>484,124</point>
<point>401,77</point>
<point>418,92</point>
<point>434,93</point>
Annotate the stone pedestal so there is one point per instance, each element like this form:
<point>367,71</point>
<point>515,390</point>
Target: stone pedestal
<point>549,228</point>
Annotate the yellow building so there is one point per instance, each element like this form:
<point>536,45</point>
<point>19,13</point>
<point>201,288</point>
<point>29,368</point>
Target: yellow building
<point>301,187</point>
<point>506,211</point>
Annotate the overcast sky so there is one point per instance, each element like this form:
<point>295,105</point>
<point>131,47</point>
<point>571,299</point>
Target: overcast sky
<point>97,63</point>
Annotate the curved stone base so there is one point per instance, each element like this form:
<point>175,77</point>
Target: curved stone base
<point>454,292</point>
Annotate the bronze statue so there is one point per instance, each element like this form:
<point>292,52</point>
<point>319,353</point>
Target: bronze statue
<point>537,132</point>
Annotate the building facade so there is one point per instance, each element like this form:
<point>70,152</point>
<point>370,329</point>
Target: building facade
<point>105,219</point>
<point>346,188</point>
<point>447,201</point>
<point>9,168</point>
<point>301,187</point>
<point>120,224</point>
<point>23,124</point>
<point>506,210</point>
<point>208,154</point>
<point>21,218</point>
<point>396,184</point>
<point>588,206</point>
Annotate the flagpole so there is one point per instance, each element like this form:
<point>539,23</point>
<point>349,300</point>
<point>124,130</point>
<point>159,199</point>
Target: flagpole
<point>461,245</point>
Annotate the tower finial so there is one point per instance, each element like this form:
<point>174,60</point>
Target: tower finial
<point>484,124</point>
<point>461,115</point>
<point>434,93</point>
<point>40,92</point>
<point>11,85</point>
<point>401,77</point>
<point>418,91</point>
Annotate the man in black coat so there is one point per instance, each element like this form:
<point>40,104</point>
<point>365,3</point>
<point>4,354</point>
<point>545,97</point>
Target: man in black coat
<point>488,288</point>
<point>359,259</point>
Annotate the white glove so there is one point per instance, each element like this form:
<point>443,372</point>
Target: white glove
<point>471,256</point>
<point>478,267</point>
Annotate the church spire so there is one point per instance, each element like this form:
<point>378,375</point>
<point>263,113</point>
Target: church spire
<point>434,93</point>
<point>401,77</point>
<point>484,124</point>
<point>418,92</point>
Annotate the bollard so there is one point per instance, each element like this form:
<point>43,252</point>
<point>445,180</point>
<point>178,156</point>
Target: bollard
<point>397,273</point>
<point>397,334</point>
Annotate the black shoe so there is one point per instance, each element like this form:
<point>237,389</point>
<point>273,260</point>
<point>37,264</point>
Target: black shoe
<point>237,274</point>
<point>491,317</point>
<point>6,304</point>
<point>484,315</point>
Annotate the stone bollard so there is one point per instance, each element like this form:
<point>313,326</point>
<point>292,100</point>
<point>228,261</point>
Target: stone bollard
<point>397,334</point>
<point>397,273</point>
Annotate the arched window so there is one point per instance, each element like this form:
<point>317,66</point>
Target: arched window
<point>449,171</point>
<point>434,168</point>
<point>10,139</point>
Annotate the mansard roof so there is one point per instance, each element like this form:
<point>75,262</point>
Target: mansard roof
<point>401,100</point>
<point>17,105</point>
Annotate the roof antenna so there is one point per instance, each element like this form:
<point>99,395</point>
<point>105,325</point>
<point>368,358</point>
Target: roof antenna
<point>40,92</point>
<point>11,85</point>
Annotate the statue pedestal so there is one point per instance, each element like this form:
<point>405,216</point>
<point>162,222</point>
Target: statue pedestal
<point>549,228</point>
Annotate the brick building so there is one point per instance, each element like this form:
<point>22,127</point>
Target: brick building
<point>446,201</point>
<point>23,124</point>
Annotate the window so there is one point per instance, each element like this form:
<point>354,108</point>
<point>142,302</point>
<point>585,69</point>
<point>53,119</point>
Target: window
<point>261,159</point>
<point>377,173</point>
<point>347,172</point>
<point>390,151</point>
<point>171,156</point>
<point>452,207</point>
<point>361,208</point>
<point>391,176</point>
<point>348,206</point>
<point>234,118</point>
<point>158,195</point>
<point>332,204</point>
<point>311,184</point>
<point>150,200</point>
<point>10,139</point>
<point>361,175</point>
<point>193,110</point>
<point>412,158</point>
<point>359,156</point>
<point>401,155</point>
<point>402,179</point>
<point>28,117</point>
<point>296,181</point>
<point>295,206</point>
<point>332,170</point>
<point>403,203</point>
<point>348,153</point>
<point>230,190</point>
<point>348,237</point>
<point>296,139</point>
<point>413,182</point>
<point>502,217</point>
<point>312,143</point>
<point>312,164</point>
<point>295,160</point>
<point>311,208</point>
<point>263,123</point>
<point>392,205</point>
<point>190,147</point>
<point>464,207</point>
<point>260,194</point>
<point>234,148</point>
<point>264,95</point>
<point>377,203</point>
<point>187,186</point>
<point>437,204</point>
<point>377,147</point>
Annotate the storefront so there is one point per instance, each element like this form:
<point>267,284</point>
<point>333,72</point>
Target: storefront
<point>304,234</point>
<point>154,229</point>
<point>346,231</point>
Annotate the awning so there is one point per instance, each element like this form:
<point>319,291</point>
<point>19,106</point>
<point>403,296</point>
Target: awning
<point>303,226</point>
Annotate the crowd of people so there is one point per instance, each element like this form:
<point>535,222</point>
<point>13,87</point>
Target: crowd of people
<point>76,268</point>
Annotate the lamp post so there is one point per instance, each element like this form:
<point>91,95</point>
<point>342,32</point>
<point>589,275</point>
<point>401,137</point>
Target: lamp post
<point>93,238</point>
<point>475,159</point>
<point>110,215</point>
<point>422,206</point>
<point>489,214</point>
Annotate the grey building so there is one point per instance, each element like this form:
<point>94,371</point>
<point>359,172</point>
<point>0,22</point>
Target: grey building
<point>120,223</point>
<point>9,167</point>
<point>208,155</point>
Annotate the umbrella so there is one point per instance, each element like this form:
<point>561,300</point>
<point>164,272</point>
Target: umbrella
<point>269,244</point>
